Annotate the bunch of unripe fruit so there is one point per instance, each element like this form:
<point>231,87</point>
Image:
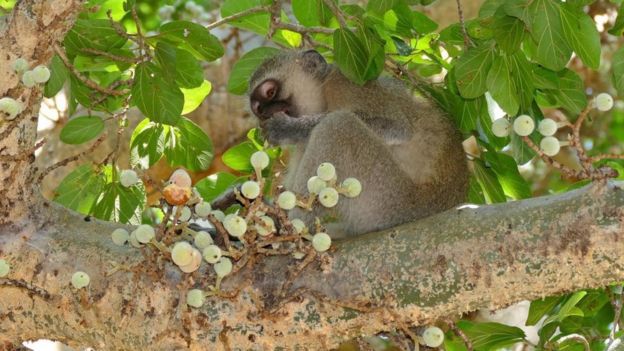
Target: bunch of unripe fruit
<point>524,125</point>
<point>188,256</point>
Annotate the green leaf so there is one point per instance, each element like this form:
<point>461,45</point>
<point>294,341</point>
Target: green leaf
<point>190,73</point>
<point>193,38</point>
<point>519,9</point>
<point>492,190</point>
<point>571,92</point>
<point>147,144</point>
<point>81,129</point>
<point>351,55</point>
<point>79,189</point>
<point>158,99</point>
<point>489,7</point>
<point>581,33</point>
<point>553,51</point>
<point>508,32</point>
<point>568,309</point>
<point>188,146</point>
<point>195,96</point>
<point>422,23</point>
<point>214,185</point>
<point>380,6</point>
<point>540,308</point>
<point>500,85</point>
<point>258,22</point>
<point>92,33</point>
<point>237,157</point>
<point>618,71</point>
<point>475,193</point>
<point>521,74</point>
<point>243,68</point>
<point>121,204</point>
<point>311,12</point>
<point>544,78</point>
<point>471,71</point>
<point>508,176</point>
<point>58,75</point>
<point>490,336</point>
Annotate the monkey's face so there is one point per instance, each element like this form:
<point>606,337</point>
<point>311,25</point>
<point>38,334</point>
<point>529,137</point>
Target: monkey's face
<point>289,83</point>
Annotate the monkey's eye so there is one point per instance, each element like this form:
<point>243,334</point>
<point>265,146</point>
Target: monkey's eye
<point>268,89</point>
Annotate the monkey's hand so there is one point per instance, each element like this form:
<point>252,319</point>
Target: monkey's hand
<point>284,129</point>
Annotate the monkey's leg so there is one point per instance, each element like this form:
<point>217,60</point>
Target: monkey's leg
<point>389,196</point>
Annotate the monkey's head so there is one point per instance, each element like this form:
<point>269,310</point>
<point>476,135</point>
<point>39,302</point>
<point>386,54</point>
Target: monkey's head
<point>290,82</point>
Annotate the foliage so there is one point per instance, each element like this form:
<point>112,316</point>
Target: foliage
<point>514,56</point>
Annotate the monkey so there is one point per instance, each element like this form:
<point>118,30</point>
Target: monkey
<point>405,151</point>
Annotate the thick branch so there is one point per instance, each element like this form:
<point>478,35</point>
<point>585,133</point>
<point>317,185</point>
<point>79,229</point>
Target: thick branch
<point>458,261</point>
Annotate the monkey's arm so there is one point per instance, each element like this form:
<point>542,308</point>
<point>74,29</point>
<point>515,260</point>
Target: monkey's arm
<point>283,129</point>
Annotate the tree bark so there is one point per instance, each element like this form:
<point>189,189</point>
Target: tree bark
<point>442,266</point>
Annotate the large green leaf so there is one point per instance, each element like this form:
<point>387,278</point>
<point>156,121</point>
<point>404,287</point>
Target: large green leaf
<point>553,51</point>
<point>508,176</point>
<point>618,26</point>
<point>79,189</point>
<point>471,71</point>
<point>571,92</point>
<point>245,66</point>
<point>157,98</point>
<point>508,31</point>
<point>618,70</point>
<point>490,336</point>
<point>58,76</point>
<point>351,55</point>
<point>193,97</point>
<point>542,307</point>
<point>568,309</point>
<point>187,145</point>
<point>147,144</point>
<point>492,190</point>
<point>259,22</point>
<point>521,74</point>
<point>581,33</point>
<point>193,38</point>
<point>92,33</point>
<point>501,86</point>
<point>311,12</point>
<point>237,157</point>
<point>121,204</point>
<point>214,185</point>
<point>381,6</point>
<point>81,129</point>
<point>179,65</point>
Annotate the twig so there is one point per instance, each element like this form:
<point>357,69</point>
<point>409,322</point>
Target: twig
<point>565,170</point>
<point>111,56</point>
<point>575,337</point>
<point>460,333</point>
<point>236,16</point>
<point>64,162</point>
<point>605,157</point>
<point>22,284</point>
<point>137,23</point>
<point>462,23</point>
<point>399,70</point>
<point>336,11</point>
<point>23,155</point>
<point>88,82</point>
<point>303,30</point>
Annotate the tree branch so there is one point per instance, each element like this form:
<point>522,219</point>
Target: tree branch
<point>438,267</point>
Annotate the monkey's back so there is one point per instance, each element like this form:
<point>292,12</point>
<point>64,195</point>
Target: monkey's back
<point>422,140</point>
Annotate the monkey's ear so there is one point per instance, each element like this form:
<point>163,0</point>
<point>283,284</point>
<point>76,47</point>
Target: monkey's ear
<point>313,61</point>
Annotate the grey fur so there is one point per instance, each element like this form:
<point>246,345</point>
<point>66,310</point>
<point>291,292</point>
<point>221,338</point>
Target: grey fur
<point>405,152</point>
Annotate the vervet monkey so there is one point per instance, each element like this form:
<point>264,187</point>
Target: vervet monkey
<point>405,152</point>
